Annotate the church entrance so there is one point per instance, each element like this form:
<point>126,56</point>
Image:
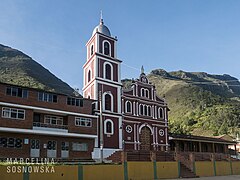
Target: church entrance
<point>145,139</point>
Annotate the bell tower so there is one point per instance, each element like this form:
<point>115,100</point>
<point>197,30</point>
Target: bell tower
<point>102,81</point>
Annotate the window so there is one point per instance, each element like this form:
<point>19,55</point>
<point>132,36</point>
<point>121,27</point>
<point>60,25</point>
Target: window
<point>75,101</point>
<point>108,72</point>
<point>13,113</point>
<point>106,48</point>
<point>18,143</point>
<point>108,126</point>
<point>53,120</point>
<point>35,144</point>
<point>108,104</point>
<point>160,113</point>
<point>51,145</point>
<point>141,109</point>
<point>128,107</point>
<point>11,142</point>
<point>48,97</point>
<point>147,93</point>
<point>145,110</point>
<point>149,111</point>
<point>91,50</point>
<point>18,92</point>
<point>79,146</point>
<point>89,75</point>
<point>3,142</point>
<point>85,122</point>
<point>142,92</point>
<point>65,146</point>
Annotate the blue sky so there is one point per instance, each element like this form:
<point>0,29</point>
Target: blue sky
<point>190,35</point>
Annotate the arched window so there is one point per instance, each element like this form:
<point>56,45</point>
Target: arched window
<point>142,92</point>
<point>106,48</point>
<point>108,71</point>
<point>146,110</point>
<point>141,109</point>
<point>108,102</point>
<point>160,113</point>
<point>149,111</point>
<point>147,93</point>
<point>108,127</point>
<point>89,75</point>
<point>128,107</point>
<point>91,50</point>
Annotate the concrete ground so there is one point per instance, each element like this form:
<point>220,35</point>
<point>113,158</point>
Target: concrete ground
<point>233,177</point>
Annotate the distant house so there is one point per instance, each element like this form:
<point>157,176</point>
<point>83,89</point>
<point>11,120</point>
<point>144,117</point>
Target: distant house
<point>190,143</point>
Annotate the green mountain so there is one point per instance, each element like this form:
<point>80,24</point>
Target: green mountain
<point>19,69</point>
<point>200,103</point>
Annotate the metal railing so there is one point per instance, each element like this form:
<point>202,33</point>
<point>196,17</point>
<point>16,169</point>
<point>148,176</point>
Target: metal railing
<point>38,124</point>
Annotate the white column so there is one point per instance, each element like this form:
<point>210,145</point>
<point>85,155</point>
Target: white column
<point>156,113</point>
<point>152,93</point>
<point>119,99</point>
<point>136,90</point>
<point>120,133</point>
<point>135,138</point>
<point>137,108</point>
<point>134,108</point>
<point>153,112</point>
<point>123,109</point>
<point>138,146</point>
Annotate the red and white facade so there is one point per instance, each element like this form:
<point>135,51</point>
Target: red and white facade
<point>42,124</point>
<point>37,123</point>
<point>134,119</point>
<point>102,79</point>
<point>145,117</point>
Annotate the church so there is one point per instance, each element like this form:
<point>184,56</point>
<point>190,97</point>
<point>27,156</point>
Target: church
<point>130,119</point>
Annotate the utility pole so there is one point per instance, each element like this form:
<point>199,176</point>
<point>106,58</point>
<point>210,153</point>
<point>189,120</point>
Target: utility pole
<point>101,127</point>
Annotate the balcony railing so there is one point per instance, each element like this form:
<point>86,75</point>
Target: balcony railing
<point>43,125</point>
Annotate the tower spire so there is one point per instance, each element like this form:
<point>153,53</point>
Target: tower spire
<point>142,70</point>
<point>101,17</point>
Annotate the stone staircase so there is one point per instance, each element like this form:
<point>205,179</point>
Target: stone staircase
<point>185,172</point>
<point>116,157</point>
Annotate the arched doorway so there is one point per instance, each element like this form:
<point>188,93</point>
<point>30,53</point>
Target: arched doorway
<point>145,139</point>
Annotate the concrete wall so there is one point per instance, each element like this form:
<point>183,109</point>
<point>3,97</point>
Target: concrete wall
<point>236,167</point>
<point>129,170</point>
<point>217,168</point>
<point>223,168</point>
<point>167,170</point>
<point>140,170</point>
<point>204,168</point>
<point>103,172</point>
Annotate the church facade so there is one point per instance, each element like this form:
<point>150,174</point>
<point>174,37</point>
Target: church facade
<point>132,119</point>
<point>108,118</point>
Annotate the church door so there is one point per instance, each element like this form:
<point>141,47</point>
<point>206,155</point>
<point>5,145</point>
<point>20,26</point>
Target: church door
<point>145,139</point>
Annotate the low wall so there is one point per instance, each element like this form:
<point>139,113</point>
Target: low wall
<point>236,167</point>
<point>140,170</point>
<point>204,168</point>
<point>217,168</point>
<point>167,170</point>
<point>223,168</point>
<point>128,170</point>
<point>103,172</point>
